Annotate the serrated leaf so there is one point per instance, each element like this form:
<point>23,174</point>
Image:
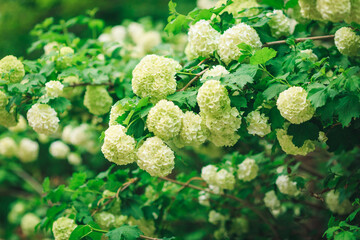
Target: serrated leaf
<point>77,180</point>
<point>345,236</point>
<point>184,97</point>
<point>273,90</point>
<point>348,108</point>
<point>330,231</point>
<point>302,132</point>
<point>352,215</point>
<point>262,56</point>
<point>124,233</point>
<point>60,104</point>
<point>80,231</point>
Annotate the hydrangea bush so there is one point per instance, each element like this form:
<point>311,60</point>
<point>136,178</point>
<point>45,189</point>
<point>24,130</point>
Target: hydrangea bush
<point>238,120</point>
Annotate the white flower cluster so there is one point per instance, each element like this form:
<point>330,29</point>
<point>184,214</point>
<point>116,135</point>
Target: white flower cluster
<point>294,106</point>
<point>65,57</point>
<point>54,89</point>
<point>51,47</point>
<point>20,126</point>
<point>204,198</point>
<point>28,223</point>
<point>97,100</point>
<point>43,119</point>
<point>28,150</point>
<point>347,42</point>
<point>8,147</point>
<point>355,12</point>
<point>74,159</point>
<point>222,179</point>
<point>258,124</point>
<point>11,69</point>
<point>271,201</point>
<point>206,4</point>
<point>116,111</point>
<point>59,150</point>
<point>63,227</point>
<point>216,218</point>
<point>16,211</point>
<point>247,170</point>
<point>279,24</point>
<point>334,10</point>
<point>7,119</point>
<point>164,120</point>
<point>156,157</point>
<point>105,220</point>
<point>202,40</point>
<point>193,131</point>
<point>333,203</point>
<point>308,9</point>
<point>286,186</point>
<point>117,34</point>
<point>216,71</point>
<point>289,147</point>
<point>154,77</point>
<point>309,54</point>
<point>228,44</point>
<point>118,147</point>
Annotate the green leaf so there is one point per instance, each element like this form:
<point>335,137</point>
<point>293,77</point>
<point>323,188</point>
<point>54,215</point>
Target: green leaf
<point>348,108</point>
<point>177,25</point>
<point>136,129</point>
<point>60,104</point>
<point>262,56</point>
<point>238,101</point>
<point>46,185</point>
<point>352,215</point>
<point>330,231</point>
<point>184,97</point>
<point>80,232</point>
<point>238,79</point>
<point>302,132</point>
<point>274,3</point>
<point>345,236</point>
<point>274,90</point>
<point>124,233</point>
<point>77,180</point>
<point>95,184</point>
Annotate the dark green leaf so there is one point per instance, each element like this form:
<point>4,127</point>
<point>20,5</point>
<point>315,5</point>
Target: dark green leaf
<point>274,90</point>
<point>124,233</point>
<point>77,180</point>
<point>60,104</point>
<point>80,232</point>
<point>302,132</point>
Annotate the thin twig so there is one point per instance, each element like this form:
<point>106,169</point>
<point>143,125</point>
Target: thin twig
<point>299,40</point>
<point>189,181</point>
<point>91,84</point>
<point>242,202</point>
<point>193,80</point>
<point>149,238</point>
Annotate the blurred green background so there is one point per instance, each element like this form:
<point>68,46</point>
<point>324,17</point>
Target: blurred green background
<point>18,17</point>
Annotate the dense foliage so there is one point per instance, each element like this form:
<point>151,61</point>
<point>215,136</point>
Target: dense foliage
<point>239,121</point>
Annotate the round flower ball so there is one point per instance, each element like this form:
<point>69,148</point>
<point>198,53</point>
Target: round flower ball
<point>119,147</point>
<point>63,227</point>
<point>74,159</point>
<point>11,69</point>
<point>28,223</point>
<point>43,119</point>
<point>333,202</point>
<point>216,71</point>
<point>65,59</point>
<point>213,98</point>
<point>28,150</point>
<point>193,130</point>
<point>59,150</point>
<point>154,77</point>
<point>258,124</point>
<point>308,10</point>
<point>105,220</point>
<point>228,44</point>
<point>54,89</point>
<point>355,12</point>
<point>20,126</point>
<point>289,147</point>
<point>8,147</point>
<point>334,10</point>
<point>164,120</point>
<point>155,157</point>
<point>247,170</point>
<point>279,24</point>
<point>225,180</point>
<point>116,111</point>
<point>208,173</point>
<point>286,186</point>
<point>97,100</point>
<point>294,106</point>
<point>309,54</point>
<point>202,40</point>
<point>271,201</point>
<point>347,42</point>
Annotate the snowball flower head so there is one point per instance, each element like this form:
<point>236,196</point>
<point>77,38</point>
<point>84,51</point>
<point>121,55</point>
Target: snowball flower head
<point>116,111</point>
<point>229,41</point>
<point>8,147</point>
<point>215,217</point>
<point>28,150</point>
<point>204,198</point>
<point>347,42</point>
<point>6,119</point>
<point>16,211</point>
<point>205,4</point>
<point>54,88</point>
<point>20,126</point>
<point>104,219</point>
<point>50,47</point>
<point>216,71</point>
<point>213,98</point>
<point>78,136</point>
<point>208,173</point>
<point>164,120</point>
<point>118,33</point>
<point>66,51</point>
<point>247,170</point>
<point>334,10</point>
<point>193,131</point>
<point>43,119</point>
<point>289,147</point>
<point>286,186</point>
<point>271,201</point>
<point>11,69</point>
<point>97,100</point>
<point>74,159</point>
<point>118,147</point>
<point>309,54</point>
<point>202,39</point>
<point>59,150</point>
<point>279,24</point>
<point>258,124</point>
<point>294,106</point>
<point>355,12</point>
<point>63,227</point>
<point>155,157</point>
<point>149,40</point>
<point>28,223</point>
<point>154,77</point>
<point>308,9</point>
<point>225,180</point>
<point>333,203</point>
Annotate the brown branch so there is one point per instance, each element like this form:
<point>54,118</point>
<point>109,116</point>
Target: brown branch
<point>189,181</point>
<point>299,40</point>
<point>193,80</point>
<point>91,84</point>
<point>242,202</point>
<point>149,238</point>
